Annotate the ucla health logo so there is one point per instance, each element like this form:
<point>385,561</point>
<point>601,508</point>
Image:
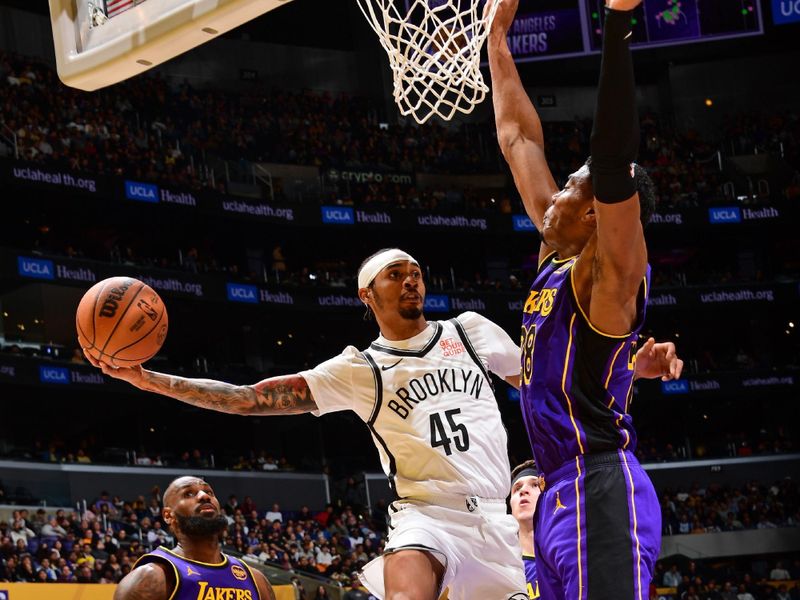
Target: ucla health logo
<point>724,214</point>
<point>142,192</point>
<point>338,215</point>
<point>437,303</point>
<point>677,386</point>
<point>238,292</point>
<point>48,374</point>
<point>35,268</point>
<point>522,223</point>
<point>785,11</point>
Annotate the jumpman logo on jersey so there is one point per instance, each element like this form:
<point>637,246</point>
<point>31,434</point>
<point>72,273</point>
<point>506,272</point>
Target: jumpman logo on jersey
<point>190,571</point>
<point>558,503</point>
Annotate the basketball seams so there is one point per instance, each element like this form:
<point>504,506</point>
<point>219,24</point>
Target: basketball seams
<point>94,312</point>
<point>151,330</point>
<point>132,361</point>
<point>122,316</point>
<point>117,334</point>
<point>85,337</point>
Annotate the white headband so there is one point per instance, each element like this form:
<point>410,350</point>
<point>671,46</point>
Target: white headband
<point>379,262</point>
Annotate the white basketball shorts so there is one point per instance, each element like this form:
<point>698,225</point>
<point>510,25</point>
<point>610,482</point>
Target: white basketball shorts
<point>473,538</point>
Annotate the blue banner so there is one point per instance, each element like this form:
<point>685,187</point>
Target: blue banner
<point>59,375</point>
<point>142,192</point>
<point>785,11</point>
<point>36,268</point>
<point>437,303</point>
<point>338,215</point>
<point>724,214</point>
<point>239,292</point>
<point>679,386</point>
<point>522,223</point>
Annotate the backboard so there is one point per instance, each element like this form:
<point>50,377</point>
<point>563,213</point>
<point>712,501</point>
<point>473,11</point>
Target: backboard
<point>101,42</point>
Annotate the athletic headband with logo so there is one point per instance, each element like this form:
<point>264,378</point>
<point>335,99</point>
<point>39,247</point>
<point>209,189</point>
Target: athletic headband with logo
<point>527,472</point>
<point>379,262</point>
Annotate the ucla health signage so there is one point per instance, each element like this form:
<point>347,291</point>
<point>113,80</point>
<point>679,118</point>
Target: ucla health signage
<point>42,268</point>
<point>150,192</point>
<point>735,214</point>
<point>63,376</point>
<point>35,268</point>
<point>724,214</point>
<point>142,192</point>
<point>338,215</point>
<point>437,303</point>
<point>677,386</point>
<point>50,374</point>
<point>238,292</point>
<point>785,11</point>
<point>522,223</point>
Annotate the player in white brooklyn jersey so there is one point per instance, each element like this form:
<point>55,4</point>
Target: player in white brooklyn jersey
<point>424,390</point>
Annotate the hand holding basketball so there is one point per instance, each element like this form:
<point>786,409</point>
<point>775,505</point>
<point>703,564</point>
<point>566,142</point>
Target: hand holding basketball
<point>121,322</point>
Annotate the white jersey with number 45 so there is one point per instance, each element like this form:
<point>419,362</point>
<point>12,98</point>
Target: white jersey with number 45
<point>430,406</point>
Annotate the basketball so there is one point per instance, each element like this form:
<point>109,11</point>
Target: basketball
<point>121,322</point>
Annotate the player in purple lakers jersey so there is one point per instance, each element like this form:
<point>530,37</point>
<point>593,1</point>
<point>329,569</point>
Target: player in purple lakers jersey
<point>196,569</point>
<point>598,520</point>
<point>525,494</point>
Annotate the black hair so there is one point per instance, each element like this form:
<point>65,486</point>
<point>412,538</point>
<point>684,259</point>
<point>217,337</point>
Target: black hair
<point>644,187</point>
<point>368,314</point>
<point>647,193</point>
<point>528,464</point>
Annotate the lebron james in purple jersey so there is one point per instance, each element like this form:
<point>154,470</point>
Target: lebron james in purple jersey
<point>196,569</point>
<point>597,523</point>
<point>229,578</point>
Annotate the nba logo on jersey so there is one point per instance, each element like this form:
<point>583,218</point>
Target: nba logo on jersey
<point>4,595</point>
<point>472,503</point>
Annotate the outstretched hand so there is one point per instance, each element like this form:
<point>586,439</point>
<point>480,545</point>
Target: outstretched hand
<point>658,360</point>
<point>133,375</point>
<point>504,17</point>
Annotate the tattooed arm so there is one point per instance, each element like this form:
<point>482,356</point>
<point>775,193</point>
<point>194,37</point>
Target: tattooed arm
<point>288,394</point>
<point>148,582</point>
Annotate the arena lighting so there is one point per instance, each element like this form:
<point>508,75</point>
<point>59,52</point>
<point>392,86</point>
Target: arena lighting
<point>709,102</point>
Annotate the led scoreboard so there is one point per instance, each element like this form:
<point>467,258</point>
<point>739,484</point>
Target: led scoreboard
<point>546,29</point>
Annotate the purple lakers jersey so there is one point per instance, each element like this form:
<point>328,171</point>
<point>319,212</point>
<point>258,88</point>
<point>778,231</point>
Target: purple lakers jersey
<point>231,579</point>
<point>576,381</point>
<point>530,576</point>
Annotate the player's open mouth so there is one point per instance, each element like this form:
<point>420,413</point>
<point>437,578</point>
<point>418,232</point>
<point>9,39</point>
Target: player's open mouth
<point>207,507</point>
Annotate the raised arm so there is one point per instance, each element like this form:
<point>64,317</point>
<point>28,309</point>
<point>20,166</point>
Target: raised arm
<point>285,395</point>
<point>519,130</point>
<point>620,259</point>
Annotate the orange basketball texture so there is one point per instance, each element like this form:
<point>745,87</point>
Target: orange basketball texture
<point>121,322</point>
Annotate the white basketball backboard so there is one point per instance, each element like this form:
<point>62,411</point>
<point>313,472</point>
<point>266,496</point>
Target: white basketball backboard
<point>94,50</point>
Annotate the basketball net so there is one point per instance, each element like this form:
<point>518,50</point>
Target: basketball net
<point>434,52</point>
